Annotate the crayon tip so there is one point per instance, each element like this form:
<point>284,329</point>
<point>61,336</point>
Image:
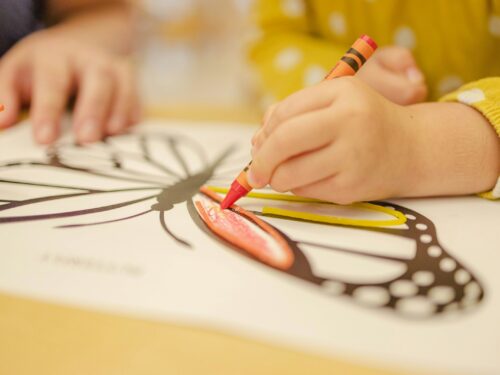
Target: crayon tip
<point>370,41</point>
<point>236,192</point>
<point>230,198</point>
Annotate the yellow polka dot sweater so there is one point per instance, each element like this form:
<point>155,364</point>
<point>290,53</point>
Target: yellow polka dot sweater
<point>456,44</point>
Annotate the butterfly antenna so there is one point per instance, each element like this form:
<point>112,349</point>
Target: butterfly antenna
<point>169,232</point>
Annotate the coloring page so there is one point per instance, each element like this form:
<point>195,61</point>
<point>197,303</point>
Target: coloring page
<point>132,225</point>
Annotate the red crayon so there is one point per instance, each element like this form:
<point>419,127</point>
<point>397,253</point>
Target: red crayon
<point>349,64</point>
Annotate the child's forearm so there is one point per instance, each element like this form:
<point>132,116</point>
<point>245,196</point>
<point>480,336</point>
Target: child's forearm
<point>108,24</point>
<point>456,151</point>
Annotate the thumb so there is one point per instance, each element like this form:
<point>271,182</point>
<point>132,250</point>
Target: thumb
<point>400,60</point>
<point>396,88</point>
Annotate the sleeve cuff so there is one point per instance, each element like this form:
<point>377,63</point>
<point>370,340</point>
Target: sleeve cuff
<point>483,95</point>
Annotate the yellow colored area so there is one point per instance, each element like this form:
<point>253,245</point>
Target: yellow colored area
<point>399,217</point>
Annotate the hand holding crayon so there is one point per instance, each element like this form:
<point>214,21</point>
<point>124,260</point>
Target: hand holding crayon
<point>349,64</point>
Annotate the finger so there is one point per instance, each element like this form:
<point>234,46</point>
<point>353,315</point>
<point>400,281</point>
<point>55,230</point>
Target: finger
<point>307,100</point>
<point>301,134</point>
<point>305,169</point>
<point>125,102</point>
<point>397,59</point>
<point>10,97</point>
<point>51,89</point>
<point>401,60</point>
<point>265,120</point>
<point>330,189</point>
<point>397,88</point>
<point>93,103</point>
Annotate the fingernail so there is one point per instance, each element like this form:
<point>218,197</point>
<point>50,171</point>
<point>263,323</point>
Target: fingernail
<point>45,133</point>
<point>89,131</point>
<point>414,75</point>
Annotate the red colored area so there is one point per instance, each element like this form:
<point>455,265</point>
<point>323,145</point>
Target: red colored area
<point>247,232</point>
<point>370,41</point>
<point>236,192</point>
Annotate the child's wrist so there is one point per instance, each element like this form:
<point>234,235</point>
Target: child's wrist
<point>453,150</point>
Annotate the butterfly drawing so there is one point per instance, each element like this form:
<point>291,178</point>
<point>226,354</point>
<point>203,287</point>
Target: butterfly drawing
<point>154,171</point>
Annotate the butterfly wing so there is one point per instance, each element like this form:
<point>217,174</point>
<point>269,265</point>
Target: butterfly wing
<point>401,268</point>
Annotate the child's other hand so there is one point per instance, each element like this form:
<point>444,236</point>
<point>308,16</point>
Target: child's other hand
<point>338,141</point>
<point>393,72</point>
<point>46,69</point>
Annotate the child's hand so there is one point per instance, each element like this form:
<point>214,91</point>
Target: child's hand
<point>342,142</point>
<point>339,141</point>
<point>46,70</point>
<point>393,72</point>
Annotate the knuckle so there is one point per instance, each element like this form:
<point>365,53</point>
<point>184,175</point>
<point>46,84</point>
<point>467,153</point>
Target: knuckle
<point>281,179</point>
<point>281,139</point>
<point>278,186</point>
<point>281,111</point>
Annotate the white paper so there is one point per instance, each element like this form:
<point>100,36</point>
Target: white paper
<point>134,267</point>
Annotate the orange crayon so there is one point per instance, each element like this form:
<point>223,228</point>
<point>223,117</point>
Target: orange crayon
<point>348,65</point>
<point>1,107</point>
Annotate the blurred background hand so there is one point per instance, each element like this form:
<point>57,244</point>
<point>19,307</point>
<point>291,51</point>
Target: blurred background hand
<point>85,55</point>
<point>394,73</point>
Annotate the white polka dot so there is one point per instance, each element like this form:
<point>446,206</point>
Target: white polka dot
<point>472,291</point>
<point>371,295</point>
<point>293,8</point>
<point>449,83</point>
<point>462,276</point>
<point>423,278</point>
<point>442,294</point>
<point>471,96</point>
<point>314,74</point>
<point>447,264</point>
<point>434,251</point>
<point>334,287</point>
<point>287,59</point>
<point>421,226</point>
<point>405,37</point>
<point>426,238</point>
<point>403,288</point>
<point>410,217</point>
<point>337,23</point>
<point>494,25</point>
